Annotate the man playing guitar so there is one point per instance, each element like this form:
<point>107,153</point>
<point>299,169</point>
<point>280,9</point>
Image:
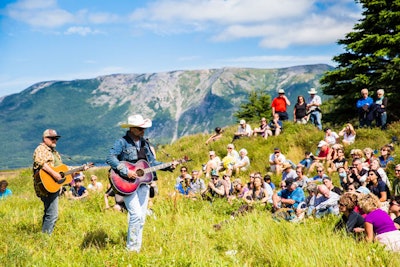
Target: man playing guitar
<point>45,158</point>
<point>133,148</point>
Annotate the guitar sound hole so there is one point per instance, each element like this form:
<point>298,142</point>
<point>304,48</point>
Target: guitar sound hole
<point>140,172</point>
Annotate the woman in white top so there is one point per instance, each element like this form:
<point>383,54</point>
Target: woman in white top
<point>349,134</point>
<point>243,163</point>
<point>94,184</point>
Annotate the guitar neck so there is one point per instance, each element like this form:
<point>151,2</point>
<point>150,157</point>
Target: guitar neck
<point>158,167</point>
<point>74,170</point>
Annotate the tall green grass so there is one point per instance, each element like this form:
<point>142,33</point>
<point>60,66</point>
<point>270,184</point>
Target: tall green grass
<point>181,231</point>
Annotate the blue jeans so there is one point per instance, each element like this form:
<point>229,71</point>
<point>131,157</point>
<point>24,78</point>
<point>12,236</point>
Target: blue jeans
<point>315,118</point>
<point>136,205</point>
<point>50,215</point>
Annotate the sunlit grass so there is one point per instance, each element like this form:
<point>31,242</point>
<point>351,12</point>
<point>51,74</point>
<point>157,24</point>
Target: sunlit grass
<point>181,233</point>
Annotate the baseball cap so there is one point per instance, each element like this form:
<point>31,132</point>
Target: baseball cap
<point>50,133</point>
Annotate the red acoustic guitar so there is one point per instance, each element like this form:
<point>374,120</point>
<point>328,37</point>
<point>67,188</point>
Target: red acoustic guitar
<point>125,186</point>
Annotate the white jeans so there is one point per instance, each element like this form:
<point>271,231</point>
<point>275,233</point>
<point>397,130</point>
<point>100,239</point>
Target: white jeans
<point>136,205</point>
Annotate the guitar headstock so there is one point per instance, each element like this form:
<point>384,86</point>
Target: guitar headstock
<point>184,159</point>
<point>88,166</point>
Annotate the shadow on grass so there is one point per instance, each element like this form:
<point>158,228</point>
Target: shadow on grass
<point>98,239</point>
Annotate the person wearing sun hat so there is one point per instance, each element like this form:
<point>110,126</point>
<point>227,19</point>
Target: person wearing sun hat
<point>46,157</point>
<point>313,104</point>
<point>132,148</point>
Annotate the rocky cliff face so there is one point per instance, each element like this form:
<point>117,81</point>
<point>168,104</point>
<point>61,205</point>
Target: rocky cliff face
<point>88,112</point>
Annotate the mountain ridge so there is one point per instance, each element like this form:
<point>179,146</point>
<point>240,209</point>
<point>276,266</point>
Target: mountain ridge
<point>87,112</point>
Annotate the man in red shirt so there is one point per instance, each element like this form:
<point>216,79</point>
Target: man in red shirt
<point>279,105</point>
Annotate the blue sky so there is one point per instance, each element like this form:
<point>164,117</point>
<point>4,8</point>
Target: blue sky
<point>43,40</point>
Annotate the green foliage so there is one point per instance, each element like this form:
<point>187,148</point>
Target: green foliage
<point>370,60</point>
<point>258,106</point>
<point>181,233</point>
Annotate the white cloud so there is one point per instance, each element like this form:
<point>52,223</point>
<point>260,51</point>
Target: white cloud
<point>39,13</point>
<point>278,24</point>
<point>81,31</point>
<point>47,14</point>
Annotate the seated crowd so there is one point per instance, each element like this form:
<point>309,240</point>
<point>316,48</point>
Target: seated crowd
<point>366,203</point>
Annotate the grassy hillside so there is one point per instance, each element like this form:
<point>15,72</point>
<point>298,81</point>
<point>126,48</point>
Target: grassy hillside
<point>181,232</point>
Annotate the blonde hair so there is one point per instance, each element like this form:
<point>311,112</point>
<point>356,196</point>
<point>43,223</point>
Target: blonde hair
<point>358,152</point>
<point>369,202</point>
<point>368,150</point>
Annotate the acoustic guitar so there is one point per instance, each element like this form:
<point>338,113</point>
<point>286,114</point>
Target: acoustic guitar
<point>126,186</point>
<point>52,186</point>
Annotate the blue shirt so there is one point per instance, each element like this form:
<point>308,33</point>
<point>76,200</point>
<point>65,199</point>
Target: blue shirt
<point>365,101</point>
<point>183,191</point>
<point>319,179</point>
<point>6,193</point>
<point>384,162</point>
<point>297,195</point>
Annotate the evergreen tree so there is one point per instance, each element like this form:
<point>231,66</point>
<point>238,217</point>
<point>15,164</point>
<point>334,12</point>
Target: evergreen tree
<point>258,106</point>
<point>371,60</point>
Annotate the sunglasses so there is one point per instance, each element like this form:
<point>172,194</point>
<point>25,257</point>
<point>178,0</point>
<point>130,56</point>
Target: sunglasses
<point>139,128</point>
<point>53,138</point>
<point>183,170</point>
<point>393,203</point>
<point>397,170</point>
<point>320,171</point>
<point>214,178</point>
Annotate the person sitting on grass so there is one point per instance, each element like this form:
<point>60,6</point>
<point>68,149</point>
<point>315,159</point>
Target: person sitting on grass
<point>326,202</point>
<point>385,158</point>
<point>288,172</point>
<point>258,193</point>
<point>301,179</point>
<point>4,191</point>
<point>216,136</point>
<point>323,156</point>
<point>320,174</point>
<point>264,130</point>
<point>275,125</point>
<point>378,224</point>
<point>307,160</point>
<point>379,189</point>
<point>351,221</point>
<point>215,188</point>
<point>267,180</point>
<point>276,161</point>
<point>239,190</point>
<point>78,191</point>
<point>197,184</point>
<point>288,197</point>
<point>349,134</point>
<point>329,184</point>
<point>244,130</point>
<point>184,187</point>
<point>338,161</point>
<point>213,164</point>
<point>331,137</point>
<point>95,185</point>
<point>119,200</point>
<point>243,163</point>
